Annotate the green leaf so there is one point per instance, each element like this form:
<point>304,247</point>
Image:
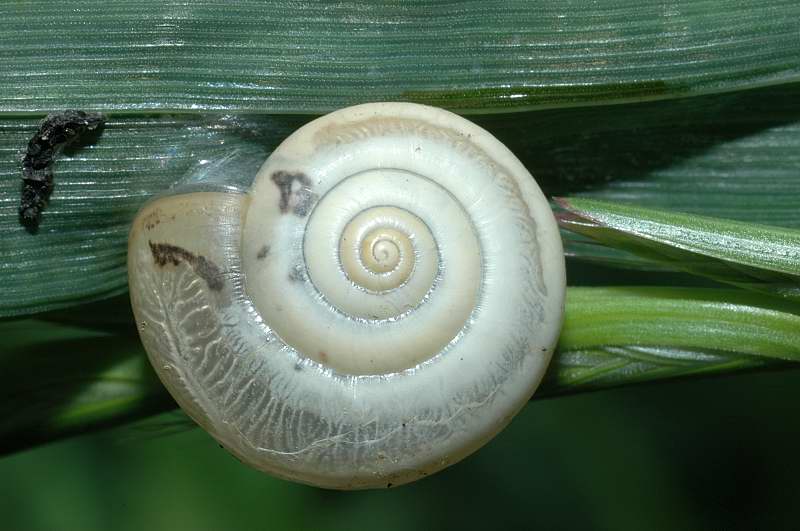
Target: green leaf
<point>290,57</point>
<point>733,156</point>
<point>72,372</point>
<point>720,319</point>
<point>753,256</point>
<point>730,155</point>
<point>602,367</point>
<point>79,253</point>
<point>622,335</point>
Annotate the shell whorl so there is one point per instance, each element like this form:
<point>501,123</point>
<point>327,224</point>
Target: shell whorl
<point>394,290</point>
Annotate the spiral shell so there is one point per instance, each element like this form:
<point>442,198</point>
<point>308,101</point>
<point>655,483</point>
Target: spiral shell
<point>378,305</point>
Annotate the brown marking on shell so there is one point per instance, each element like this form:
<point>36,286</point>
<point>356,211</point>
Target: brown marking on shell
<point>152,219</point>
<point>297,199</point>
<point>166,253</point>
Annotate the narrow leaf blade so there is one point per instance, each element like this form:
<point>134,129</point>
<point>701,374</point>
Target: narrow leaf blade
<point>749,255</point>
<point>313,57</point>
<point>80,371</point>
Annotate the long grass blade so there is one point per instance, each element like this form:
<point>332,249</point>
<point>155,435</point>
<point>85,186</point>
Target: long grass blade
<point>313,57</point>
<point>749,255</point>
<point>72,372</point>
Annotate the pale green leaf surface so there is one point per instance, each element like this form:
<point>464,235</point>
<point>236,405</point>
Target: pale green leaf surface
<point>80,250</point>
<point>692,318</point>
<point>622,335</point>
<point>759,257</point>
<point>731,155</point>
<point>479,56</point>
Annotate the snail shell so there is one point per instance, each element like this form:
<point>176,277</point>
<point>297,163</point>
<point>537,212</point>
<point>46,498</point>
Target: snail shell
<point>378,305</point>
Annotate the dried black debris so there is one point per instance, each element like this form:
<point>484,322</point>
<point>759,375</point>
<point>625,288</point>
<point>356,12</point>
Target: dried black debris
<point>57,131</point>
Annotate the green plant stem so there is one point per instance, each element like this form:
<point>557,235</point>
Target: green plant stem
<point>72,372</point>
<point>622,335</point>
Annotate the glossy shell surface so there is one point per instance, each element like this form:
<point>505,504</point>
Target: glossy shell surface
<point>376,306</point>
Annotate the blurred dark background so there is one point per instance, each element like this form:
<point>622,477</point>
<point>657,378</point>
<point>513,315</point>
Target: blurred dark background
<point>713,453</point>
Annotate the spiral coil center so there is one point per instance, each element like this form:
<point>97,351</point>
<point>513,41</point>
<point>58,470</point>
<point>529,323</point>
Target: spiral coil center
<point>391,254</point>
<point>378,249</point>
<point>381,252</point>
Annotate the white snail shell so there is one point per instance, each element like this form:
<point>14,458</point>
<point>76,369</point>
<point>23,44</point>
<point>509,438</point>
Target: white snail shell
<point>378,305</point>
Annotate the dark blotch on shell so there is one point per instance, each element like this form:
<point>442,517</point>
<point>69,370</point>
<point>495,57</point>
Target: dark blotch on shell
<point>297,199</point>
<point>165,253</point>
<point>297,274</point>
